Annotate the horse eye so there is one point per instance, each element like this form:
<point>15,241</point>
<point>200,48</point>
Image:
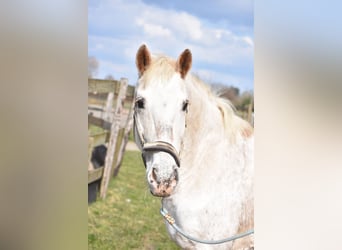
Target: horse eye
<point>140,103</point>
<point>185,105</point>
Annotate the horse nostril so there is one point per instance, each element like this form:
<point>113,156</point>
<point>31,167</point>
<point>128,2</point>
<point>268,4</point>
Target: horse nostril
<point>175,174</point>
<point>154,175</point>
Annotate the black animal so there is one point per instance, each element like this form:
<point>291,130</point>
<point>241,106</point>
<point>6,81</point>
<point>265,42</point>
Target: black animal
<point>98,158</point>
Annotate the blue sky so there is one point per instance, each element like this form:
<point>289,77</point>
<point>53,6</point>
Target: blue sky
<point>219,33</point>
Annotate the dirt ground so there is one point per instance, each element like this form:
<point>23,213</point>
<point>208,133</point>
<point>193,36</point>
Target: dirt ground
<point>131,146</point>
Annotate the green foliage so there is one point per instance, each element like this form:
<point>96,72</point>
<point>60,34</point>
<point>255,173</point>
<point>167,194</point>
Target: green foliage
<point>244,101</point>
<point>129,216</point>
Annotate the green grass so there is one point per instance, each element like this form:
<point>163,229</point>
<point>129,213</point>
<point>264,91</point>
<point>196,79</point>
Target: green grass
<point>129,216</point>
<point>131,135</point>
<point>95,129</point>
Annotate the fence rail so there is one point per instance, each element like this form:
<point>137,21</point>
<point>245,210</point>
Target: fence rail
<point>112,113</point>
<point>94,175</point>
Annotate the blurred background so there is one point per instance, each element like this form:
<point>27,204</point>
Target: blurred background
<point>297,85</point>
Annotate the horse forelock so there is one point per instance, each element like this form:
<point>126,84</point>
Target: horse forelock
<point>161,70</point>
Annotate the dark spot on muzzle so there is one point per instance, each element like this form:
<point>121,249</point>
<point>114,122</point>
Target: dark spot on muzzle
<point>163,187</point>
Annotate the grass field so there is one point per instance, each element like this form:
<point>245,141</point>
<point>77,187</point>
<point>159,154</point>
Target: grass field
<point>129,217</point>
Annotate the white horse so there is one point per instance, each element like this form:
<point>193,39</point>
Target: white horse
<point>198,154</point>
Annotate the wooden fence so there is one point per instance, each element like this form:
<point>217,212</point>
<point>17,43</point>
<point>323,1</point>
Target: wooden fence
<point>110,104</point>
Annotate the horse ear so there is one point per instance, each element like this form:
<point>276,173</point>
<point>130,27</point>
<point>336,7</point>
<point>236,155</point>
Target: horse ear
<point>143,59</point>
<point>184,63</point>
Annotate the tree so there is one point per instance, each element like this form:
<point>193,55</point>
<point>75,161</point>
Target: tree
<point>229,92</point>
<point>109,77</point>
<point>93,66</point>
<point>244,100</point>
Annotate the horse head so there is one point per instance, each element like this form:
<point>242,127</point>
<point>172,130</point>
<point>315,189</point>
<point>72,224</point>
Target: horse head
<point>161,104</point>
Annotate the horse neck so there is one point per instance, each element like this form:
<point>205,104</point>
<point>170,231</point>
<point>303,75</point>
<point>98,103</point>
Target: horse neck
<point>212,125</point>
<point>204,120</point>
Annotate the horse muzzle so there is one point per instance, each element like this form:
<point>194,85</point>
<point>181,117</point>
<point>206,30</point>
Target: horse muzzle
<point>160,185</point>
<point>162,178</point>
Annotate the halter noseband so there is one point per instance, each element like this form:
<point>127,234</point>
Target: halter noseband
<point>154,146</point>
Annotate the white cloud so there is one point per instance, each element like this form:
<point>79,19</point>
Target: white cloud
<point>153,29</point>
<point>117,28</point>
<point>248,40</point>
<point>181,24</point>
<point>186,25</point>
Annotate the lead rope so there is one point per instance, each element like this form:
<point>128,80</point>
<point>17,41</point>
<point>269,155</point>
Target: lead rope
<point>172,222</point>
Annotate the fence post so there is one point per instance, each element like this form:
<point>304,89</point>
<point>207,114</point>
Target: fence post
<point>128,127</point>
<point>106,115</point>
<point>90,148</point>
<point>113,137</point>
